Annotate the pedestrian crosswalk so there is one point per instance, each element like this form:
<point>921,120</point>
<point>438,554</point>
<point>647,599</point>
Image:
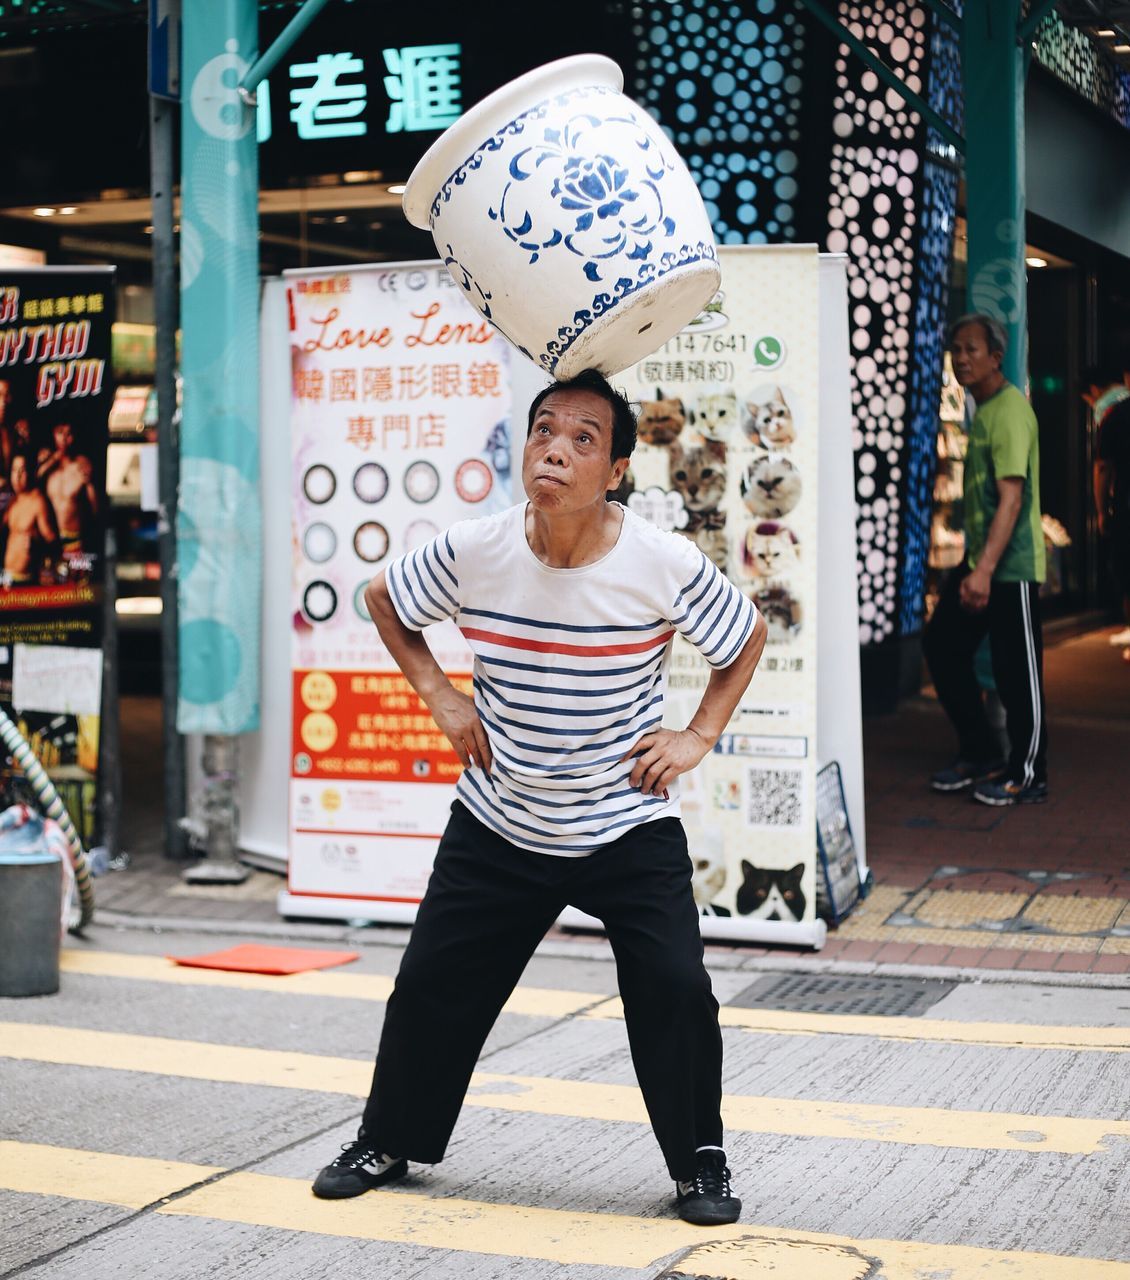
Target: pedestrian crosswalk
<point>575,1090</point>
<point>743,1252</point>
<point>317,1073</point>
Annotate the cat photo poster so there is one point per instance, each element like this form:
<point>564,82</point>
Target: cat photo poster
<point>726,457</point>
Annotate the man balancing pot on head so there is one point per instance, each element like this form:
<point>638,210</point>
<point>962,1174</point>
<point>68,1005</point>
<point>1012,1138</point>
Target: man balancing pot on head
<point>997,590</point>
<point>569,794</point>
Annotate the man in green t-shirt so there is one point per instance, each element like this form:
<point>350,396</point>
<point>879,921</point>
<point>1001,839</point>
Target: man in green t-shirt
<point>997,589</point>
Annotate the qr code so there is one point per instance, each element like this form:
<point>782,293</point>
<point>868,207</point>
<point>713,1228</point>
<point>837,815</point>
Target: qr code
<point>774,797</point>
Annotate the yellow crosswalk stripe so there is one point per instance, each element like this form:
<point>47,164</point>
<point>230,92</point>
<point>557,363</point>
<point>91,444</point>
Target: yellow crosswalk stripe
<point>543,1002</point>
<point>538,1095</point>
<point>550,1002</point>
<point>741,1252</point>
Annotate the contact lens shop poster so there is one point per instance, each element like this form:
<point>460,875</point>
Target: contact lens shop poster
<point>400,396</point>
<point>727,457</point>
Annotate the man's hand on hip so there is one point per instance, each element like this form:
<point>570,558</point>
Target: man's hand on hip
<point>458,720</point>
<point>662,755</point>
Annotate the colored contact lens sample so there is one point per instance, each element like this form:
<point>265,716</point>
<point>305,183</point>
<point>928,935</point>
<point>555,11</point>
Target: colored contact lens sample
<point>419,532</point>
<point>370,482</point>
<point>319,601</point>
<point>421,482</point>
<point>319,542</point>
<point>319,484</point>
<point>359,601</point>
<point>370,541</point>
<point>473,480</point>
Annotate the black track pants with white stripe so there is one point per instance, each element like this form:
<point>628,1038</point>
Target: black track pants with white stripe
<point>1012,622</point>
<point>487,906</point>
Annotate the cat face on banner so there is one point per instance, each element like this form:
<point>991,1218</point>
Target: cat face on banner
<point>660,420</point>
<point>715,415</point>
<point>769,422</point>
<point>698,473</point>
<point>768,894</point>
<point>769,551</point>
<point>781,611</point>
<point>770,486</point>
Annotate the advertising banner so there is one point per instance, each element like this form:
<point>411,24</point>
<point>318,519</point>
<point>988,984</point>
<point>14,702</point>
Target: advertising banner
<point>55,396</point>
<point>727,456</point>
<point>400,412</point>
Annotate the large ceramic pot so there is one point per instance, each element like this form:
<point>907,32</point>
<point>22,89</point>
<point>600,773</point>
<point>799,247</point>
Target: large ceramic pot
<point>568,219</point>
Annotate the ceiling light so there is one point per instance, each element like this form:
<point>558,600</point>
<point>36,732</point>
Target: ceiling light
<point>68,209</point>
<point>341,217</point>
<point>1105,32</point>
<point>44,212</point>
<point>361,175</point>
<point>398,189</point>
<point>1036,262</point>
<point>1122,48</point>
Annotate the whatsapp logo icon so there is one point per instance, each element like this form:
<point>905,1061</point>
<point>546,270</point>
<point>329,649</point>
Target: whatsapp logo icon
<point>768,352</point>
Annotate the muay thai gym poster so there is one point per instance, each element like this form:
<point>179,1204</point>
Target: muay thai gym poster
<point>55,396</point>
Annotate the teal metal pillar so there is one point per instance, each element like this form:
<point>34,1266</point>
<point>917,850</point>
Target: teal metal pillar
<point>995,64</point>
<point>219,525</point>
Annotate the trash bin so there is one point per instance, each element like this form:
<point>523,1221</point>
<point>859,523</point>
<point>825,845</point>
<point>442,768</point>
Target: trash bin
<point>31,884</point>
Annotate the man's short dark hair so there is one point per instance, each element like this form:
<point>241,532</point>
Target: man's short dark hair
<point>995,336</point>
<point>623,419</point>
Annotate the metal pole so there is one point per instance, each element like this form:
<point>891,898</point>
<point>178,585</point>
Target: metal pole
<point>283,44</point>
<point>993,70</point>
<point>162,123</point>
<point>110,735</point>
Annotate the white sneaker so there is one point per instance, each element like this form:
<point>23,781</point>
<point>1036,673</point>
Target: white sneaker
<point>1120,638</point>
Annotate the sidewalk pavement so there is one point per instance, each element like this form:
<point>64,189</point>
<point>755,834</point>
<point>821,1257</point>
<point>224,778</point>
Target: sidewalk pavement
<point>1041,889</point>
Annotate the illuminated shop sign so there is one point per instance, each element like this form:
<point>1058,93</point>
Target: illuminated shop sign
<point>329,96</point>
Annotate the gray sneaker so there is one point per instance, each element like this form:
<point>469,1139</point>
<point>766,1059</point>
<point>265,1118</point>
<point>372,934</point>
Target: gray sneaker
<point>966,773</point>
<point>358,1169</point>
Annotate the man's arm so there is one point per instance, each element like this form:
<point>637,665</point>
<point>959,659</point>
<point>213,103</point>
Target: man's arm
<point>453,711</point>
<point>45,520</point>
<point>975,588</point>
<point>664,753</point>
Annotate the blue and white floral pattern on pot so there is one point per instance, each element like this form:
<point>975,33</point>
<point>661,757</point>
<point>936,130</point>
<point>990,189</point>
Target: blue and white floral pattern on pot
<point>599,207</point>
<point>564,211</point>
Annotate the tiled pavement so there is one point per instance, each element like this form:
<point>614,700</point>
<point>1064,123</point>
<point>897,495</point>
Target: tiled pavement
<point>1035,889</point>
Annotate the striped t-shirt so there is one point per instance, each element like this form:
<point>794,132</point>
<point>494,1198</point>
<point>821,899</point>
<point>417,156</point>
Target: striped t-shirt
<point>570,666</point>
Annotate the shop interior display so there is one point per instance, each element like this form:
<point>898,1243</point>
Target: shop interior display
<point>947,538</point>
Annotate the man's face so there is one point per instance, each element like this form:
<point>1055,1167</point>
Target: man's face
<point>19,474</point>
<point>973,362</point>
<point>567,462</point>
<point>64,436</point>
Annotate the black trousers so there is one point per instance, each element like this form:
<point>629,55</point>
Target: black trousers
<point>487,906</point>
<point>1012,621</point>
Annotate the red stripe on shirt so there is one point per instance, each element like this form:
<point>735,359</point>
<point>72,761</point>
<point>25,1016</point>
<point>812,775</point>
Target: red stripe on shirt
<point>573,650</point>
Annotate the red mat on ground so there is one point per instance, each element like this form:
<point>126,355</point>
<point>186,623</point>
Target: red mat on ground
<point>250,957</point>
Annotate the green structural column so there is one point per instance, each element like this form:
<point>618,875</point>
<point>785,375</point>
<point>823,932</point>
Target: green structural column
<point>219,526</point>
<point>994,66</point>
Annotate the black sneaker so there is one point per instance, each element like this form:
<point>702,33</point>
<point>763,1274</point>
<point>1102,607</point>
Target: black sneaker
<point>966,773</point>
<point>708,1200</point>
<point>1008,792</point>
<point>358,1169</point>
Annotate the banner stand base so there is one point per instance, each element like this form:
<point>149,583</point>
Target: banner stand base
<point>350,910</point>
<point>782,933</point>
<point>812,933</point>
